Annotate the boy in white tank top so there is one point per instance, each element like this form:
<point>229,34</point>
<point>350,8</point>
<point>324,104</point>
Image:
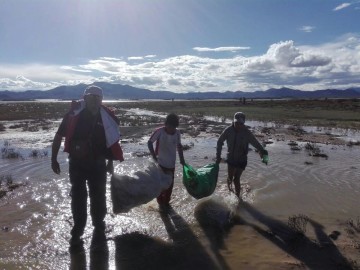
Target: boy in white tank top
<point>168,140</point>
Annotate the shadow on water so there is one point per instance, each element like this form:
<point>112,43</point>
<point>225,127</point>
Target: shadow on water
<point>139,251</point>
<point>99,254</point>
<point>77,257</point>
<point>319,254</point>
<point>215,220</point>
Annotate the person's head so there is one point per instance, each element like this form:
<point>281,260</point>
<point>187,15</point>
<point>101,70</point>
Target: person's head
<point>239,119</point>
<point>93,96</point>
<point>171,123</point>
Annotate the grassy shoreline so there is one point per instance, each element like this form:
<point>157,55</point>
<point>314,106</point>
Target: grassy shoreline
<point>341,113</point>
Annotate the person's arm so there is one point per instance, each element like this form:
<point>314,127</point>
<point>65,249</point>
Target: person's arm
<point>55,166</point>
<point>219,145</point>
<point>153,138</point>
<point>254,142</point>
<point>181,154</point>
<point>180,148</point>
<point>151,149</point>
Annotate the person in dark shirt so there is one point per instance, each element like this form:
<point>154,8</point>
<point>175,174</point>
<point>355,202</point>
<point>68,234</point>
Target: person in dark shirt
<point>89,147</point>
<point>238,137</point>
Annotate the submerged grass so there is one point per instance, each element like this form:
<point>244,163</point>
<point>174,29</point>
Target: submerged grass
<point>7,185</point>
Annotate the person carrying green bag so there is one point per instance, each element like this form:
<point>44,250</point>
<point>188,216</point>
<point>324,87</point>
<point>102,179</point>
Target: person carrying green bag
<point>238,137</point>
<point>200,182</point>
<point>168,141</point>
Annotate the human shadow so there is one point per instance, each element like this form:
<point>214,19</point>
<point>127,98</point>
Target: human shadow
<point>184,238</point>
<point>99,254</point>
<point>140,251</point>
<point>215,219</point>
<point>319,254</point>
<point>77,258</point>
<point>99,251</point>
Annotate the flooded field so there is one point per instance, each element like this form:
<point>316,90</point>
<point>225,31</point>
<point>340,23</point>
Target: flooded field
<point>316,195</point>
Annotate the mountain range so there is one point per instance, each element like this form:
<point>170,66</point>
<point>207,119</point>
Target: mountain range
<point>119,91</point>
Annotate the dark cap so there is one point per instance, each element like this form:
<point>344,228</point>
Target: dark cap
<point>239,117</point>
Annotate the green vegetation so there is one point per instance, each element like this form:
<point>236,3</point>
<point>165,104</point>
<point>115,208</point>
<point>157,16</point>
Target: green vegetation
<point>33,110</point>
<point>342,113</point>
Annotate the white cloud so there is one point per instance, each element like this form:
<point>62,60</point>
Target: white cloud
<point>307,28</point>
<point>342,6</point>
<point>105,66</point>
<point>174,82</point>
<point>150,56</point>
<point>39,72</point>
<point>110,59</point>
<point>135,58</point>
<point>220,49</point>
<point>39,77</point>
<point>75,69</point>
<point>21,82</point>
<point>310,60</point>
<point>330,65</point>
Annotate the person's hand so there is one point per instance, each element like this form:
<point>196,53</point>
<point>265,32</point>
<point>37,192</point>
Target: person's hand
<point>55,166</point>
<point>110,167</point>
<point>263,153</point>
<point>182,162</point>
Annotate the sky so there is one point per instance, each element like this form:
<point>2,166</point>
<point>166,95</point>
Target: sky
<point>180,45</point>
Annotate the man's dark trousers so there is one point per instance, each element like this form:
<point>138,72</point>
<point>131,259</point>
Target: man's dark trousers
<point>93,173</point>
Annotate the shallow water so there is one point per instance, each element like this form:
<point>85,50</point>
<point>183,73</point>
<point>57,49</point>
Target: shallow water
<point>35,220</point>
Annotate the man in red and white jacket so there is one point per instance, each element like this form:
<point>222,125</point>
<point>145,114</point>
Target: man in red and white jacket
<point>91,123</point>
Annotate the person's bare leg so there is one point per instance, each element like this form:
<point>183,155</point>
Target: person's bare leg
<point>237,176</point>
<point>230,179</point>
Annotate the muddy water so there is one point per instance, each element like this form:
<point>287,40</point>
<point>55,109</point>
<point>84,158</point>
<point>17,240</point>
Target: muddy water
<point>35,220</point>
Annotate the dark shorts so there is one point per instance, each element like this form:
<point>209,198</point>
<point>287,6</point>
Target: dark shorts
<point>240,164</point>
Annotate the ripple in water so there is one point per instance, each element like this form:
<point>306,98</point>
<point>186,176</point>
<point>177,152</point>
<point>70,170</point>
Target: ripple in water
<point>39,220</point>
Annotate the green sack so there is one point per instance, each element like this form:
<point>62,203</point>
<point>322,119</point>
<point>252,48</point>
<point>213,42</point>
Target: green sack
<point>201,182</point>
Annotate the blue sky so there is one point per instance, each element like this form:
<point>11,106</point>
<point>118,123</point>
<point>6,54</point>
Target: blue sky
<point>180,45</point>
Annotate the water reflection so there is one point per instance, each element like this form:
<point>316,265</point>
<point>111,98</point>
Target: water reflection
<point>38,220</point>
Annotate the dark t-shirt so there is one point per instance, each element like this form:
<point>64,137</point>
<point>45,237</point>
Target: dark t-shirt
<point>88,126</point>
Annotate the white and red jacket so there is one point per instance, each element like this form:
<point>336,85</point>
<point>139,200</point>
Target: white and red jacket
<point>111,127</point>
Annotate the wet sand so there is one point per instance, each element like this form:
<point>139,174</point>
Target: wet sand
<point>299,212</point>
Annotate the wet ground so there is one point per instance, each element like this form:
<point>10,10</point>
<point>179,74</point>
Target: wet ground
<point>299,212</point>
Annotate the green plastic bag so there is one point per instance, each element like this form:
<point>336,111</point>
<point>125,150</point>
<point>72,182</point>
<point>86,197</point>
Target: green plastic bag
<point>200,182</point>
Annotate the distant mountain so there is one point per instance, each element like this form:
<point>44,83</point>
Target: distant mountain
<point>118,91</point>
